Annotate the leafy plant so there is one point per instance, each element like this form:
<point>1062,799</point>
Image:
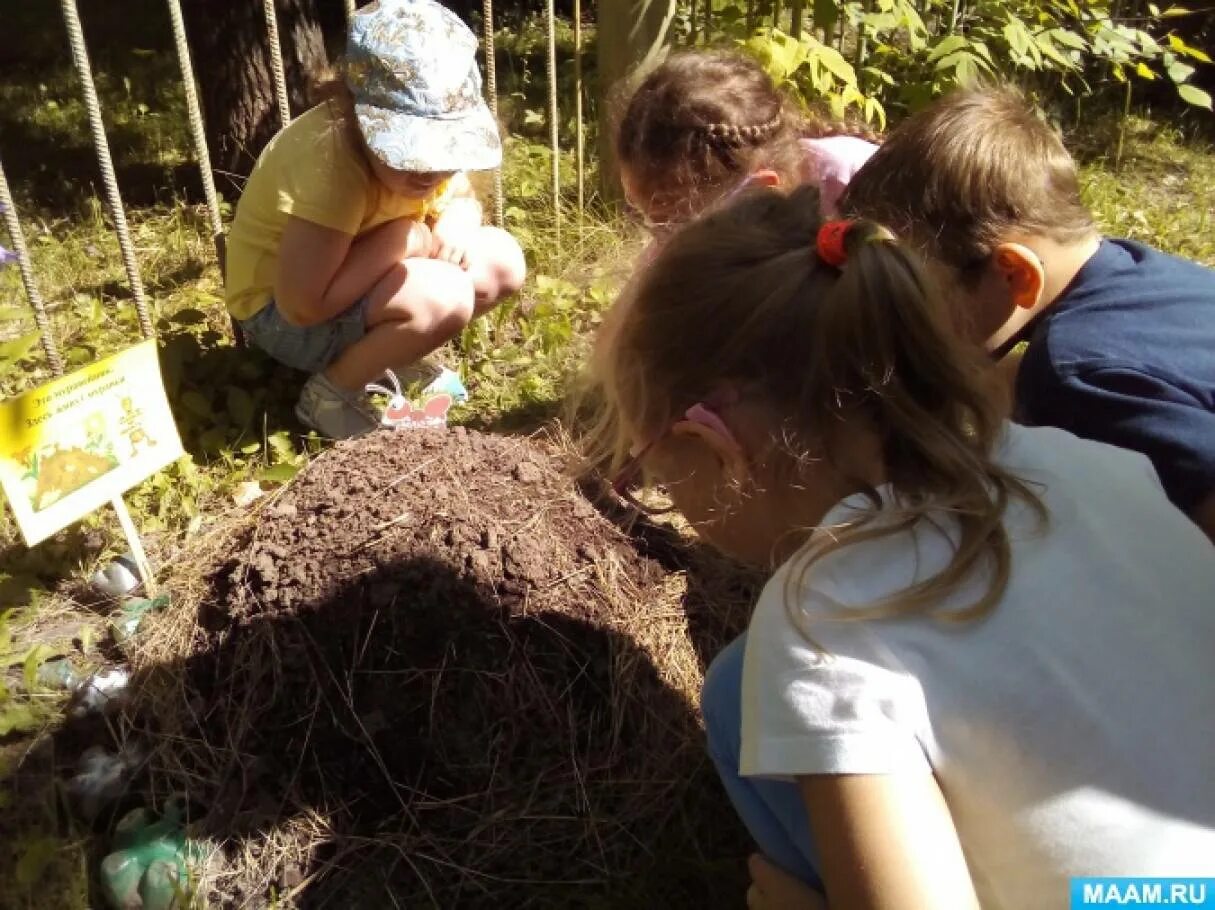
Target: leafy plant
<point>817,70</point>
<point>864,55</point>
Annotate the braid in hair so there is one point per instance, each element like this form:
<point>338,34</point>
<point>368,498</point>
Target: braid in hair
<point>733,135</point>
<point>704,118</point>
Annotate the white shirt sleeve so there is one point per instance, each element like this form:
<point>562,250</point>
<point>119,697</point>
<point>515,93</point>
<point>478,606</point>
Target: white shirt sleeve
<point>805,712</point>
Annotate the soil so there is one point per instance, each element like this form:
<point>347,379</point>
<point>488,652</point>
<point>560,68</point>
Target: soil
<point>437,657</point>
<point>495,510</point>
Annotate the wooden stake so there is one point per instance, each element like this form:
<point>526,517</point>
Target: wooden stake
<point>132,535</point>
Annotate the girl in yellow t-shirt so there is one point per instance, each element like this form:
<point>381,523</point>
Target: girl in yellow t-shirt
<point>358,244</point>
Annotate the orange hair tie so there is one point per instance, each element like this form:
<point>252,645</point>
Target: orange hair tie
<point>830,244</point>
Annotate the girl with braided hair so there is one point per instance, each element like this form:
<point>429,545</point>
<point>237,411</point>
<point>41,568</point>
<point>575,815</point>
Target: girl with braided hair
<point>704,124</point>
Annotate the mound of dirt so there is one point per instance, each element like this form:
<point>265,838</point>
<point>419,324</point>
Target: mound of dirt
<point>431,669</point>
<point>493,509</point>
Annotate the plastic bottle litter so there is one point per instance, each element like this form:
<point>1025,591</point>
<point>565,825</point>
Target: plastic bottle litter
<point>161,885</point>
<point>132,613</point>
<point>98,692</point>
<point>117,580</point>
<point>101,779</point>
<point>57,674</point>
<point>149,868</point>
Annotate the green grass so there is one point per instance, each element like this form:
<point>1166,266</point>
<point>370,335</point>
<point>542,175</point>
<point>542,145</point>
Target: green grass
<point>234,408</point>
<point>1161,193</point>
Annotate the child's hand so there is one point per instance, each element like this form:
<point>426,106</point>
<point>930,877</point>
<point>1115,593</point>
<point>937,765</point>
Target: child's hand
<point>455,231</point>
<point>418,239</point>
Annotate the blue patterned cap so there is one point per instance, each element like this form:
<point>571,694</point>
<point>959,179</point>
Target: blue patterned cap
<point>412,68</point>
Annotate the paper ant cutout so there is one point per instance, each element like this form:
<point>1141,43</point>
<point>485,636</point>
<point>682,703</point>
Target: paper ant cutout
<point>400,412</point>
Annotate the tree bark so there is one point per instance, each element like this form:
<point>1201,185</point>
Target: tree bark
<point>231,55</point>
<point>632,34</point>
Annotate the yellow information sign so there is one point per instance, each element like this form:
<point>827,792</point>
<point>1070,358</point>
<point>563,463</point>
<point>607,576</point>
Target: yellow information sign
<point>84,439</point>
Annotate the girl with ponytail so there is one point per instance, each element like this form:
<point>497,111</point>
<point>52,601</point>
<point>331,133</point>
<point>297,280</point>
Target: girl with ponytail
<point>954,689</point>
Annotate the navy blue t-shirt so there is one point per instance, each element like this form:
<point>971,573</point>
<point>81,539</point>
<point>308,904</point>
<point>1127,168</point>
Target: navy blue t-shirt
<point>1126,355</point>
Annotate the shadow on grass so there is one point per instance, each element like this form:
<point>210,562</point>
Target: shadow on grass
<point>225,398</point>
<point>26,573</point>
<point>185,272</point>
<point>47,153</point>
<point>466,754</point>
<point>526,417</point>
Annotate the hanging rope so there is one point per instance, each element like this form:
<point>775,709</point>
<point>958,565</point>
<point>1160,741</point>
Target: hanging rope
<point>197,130</point>
<point>580,163</point>
<point>199,134</point>
<point>80,56</point>
<point>551,17</point>
<point>276,63</point>
<point>349,9</point>
<point>27,276</point>
<point>491,94</point>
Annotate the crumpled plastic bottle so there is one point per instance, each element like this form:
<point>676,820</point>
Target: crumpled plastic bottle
<point>126,621</point>
<point>102,778</point>
<point>117,579</point>
<point>148,869</point>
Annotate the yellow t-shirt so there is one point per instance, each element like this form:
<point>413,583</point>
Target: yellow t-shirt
<point>310,170</point>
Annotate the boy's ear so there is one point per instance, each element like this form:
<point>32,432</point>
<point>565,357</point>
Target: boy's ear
<point>729,454</point>
<point>1022,272</point>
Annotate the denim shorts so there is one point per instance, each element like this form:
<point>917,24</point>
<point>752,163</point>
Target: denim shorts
<point>308,348</point>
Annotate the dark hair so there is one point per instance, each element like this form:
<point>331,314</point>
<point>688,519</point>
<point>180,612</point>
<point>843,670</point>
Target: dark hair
<point>958,176</point>
<point>741,298</point>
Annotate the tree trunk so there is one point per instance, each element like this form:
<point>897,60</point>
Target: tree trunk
<point>633,34</point>
<point>232,61</point>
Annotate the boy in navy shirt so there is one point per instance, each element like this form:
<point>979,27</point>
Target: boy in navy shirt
<point>1121,336</point>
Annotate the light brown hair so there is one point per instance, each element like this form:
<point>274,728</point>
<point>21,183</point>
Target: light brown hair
<point>329,87</point>
<point>709,118</point>
<point>864,345</point>
<point>959,176</point>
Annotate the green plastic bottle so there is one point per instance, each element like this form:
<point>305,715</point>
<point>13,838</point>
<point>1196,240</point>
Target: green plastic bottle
<point>148,869</point>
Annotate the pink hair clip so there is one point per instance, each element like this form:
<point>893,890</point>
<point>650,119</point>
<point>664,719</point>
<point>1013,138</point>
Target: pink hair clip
<point>699,413</point>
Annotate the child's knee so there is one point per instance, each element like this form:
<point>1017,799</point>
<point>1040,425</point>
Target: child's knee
<point>436,298</point>
<point>450,300</point>
<point>498,267</point>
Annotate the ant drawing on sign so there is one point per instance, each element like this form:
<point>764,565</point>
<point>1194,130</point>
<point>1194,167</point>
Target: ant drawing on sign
<point>132,427</point>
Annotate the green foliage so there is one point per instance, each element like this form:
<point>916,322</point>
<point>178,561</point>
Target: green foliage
<point>36,856</point>
<point>14,351</point>
<point>863,56</point>
<point>817,70</point>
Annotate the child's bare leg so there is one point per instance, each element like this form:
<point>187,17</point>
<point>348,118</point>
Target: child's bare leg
<point>496,266</point>
<point>415,308</point>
